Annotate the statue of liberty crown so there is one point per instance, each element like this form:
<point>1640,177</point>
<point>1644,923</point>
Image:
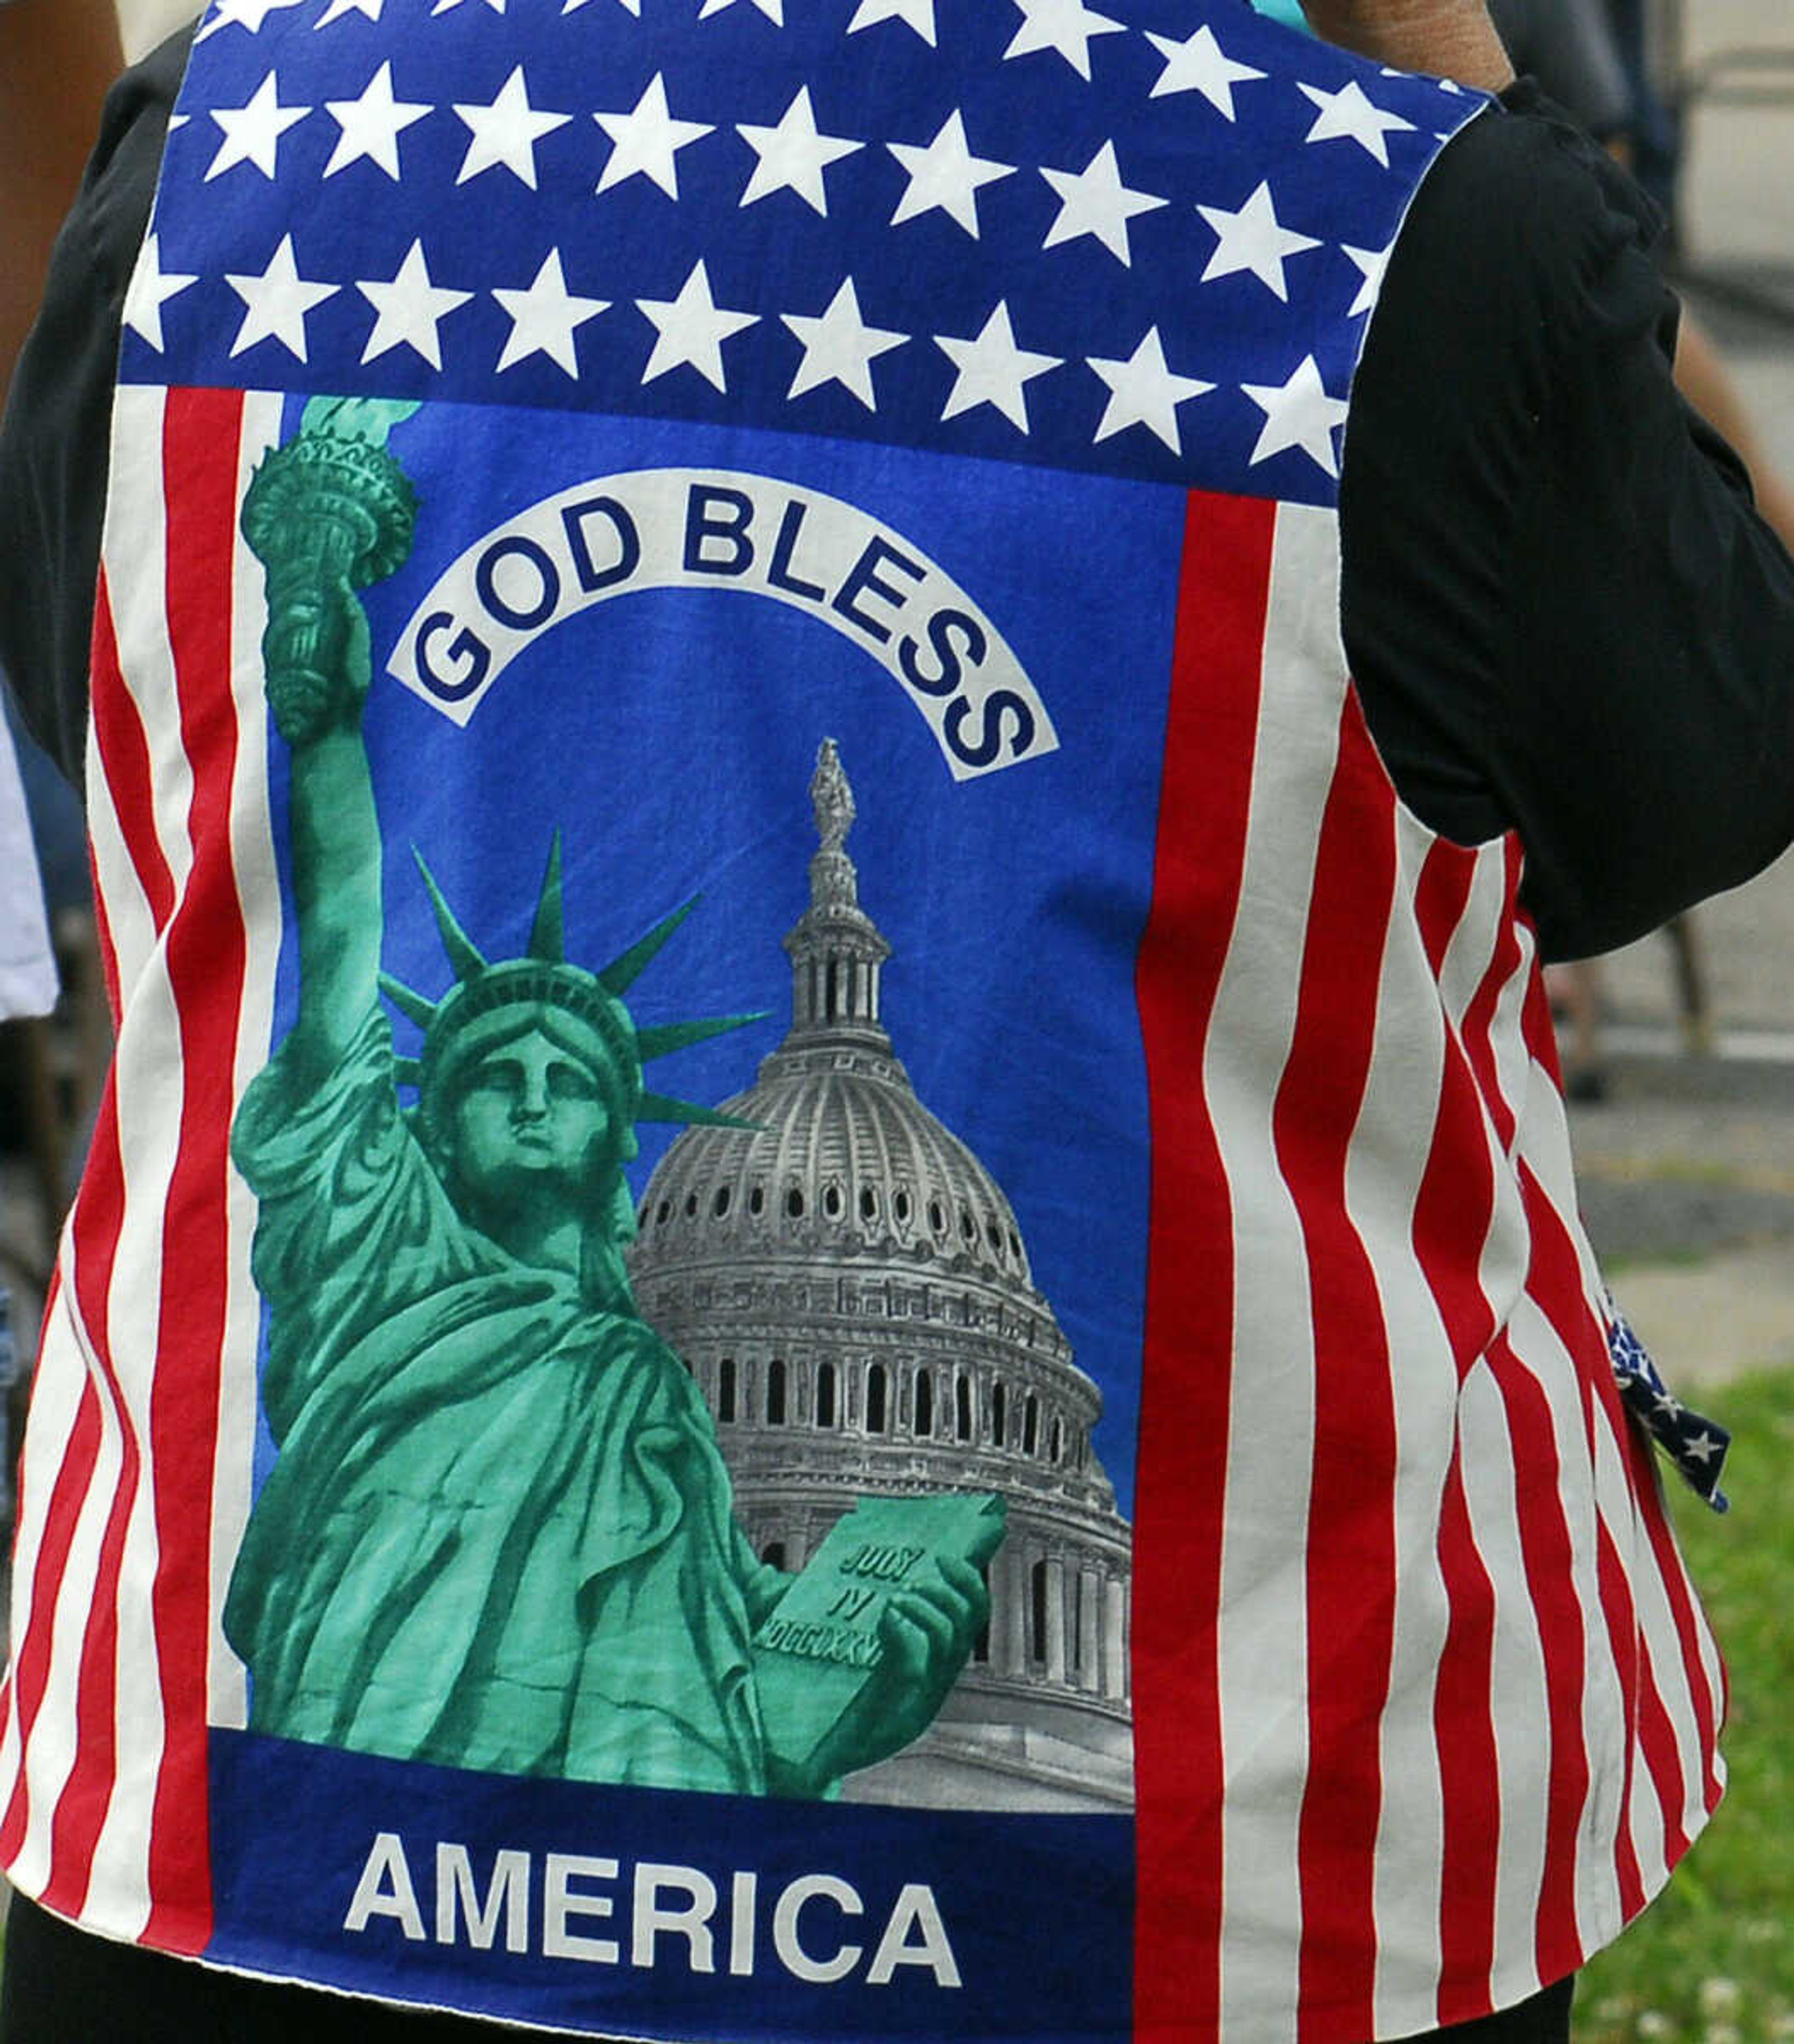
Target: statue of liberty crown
<point>543,978</point>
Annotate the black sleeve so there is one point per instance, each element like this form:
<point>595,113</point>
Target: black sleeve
<point>54,442</point>
<point>1562,613</point>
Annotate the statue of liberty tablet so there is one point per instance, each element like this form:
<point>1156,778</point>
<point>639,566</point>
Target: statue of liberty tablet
<point>498,1534</point>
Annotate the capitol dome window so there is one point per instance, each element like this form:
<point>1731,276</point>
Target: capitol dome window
<point>1015,1245</point>
<point>999,1415</point>
<point>900,1206</point>
<point>774,1552</point>
<point>1030,1426</point>
<point>794,1202</point>
<point>726,1389</point>
<point>868,1203</point>
<point>876,1398</point>
<point>937,1220</point>
<point>967,1226</point>
<point>1056,1443</point>
<point>924,1426</point>
<point>825,1395</point>
<point>833,1203</point>
<point>775,1392</point>
<point>690,1206</point>
<point>1037,1612</point>
<point>756,1201</point>
<point>962,1407</point>
<point>661,1211</point>
<point>719,1206</point>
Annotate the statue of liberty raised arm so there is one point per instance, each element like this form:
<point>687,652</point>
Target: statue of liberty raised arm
<point>499,1533</point>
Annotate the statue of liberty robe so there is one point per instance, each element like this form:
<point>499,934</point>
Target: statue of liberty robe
<point>498,1534</point>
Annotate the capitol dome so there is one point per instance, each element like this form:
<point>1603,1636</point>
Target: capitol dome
<point>851,1290</point>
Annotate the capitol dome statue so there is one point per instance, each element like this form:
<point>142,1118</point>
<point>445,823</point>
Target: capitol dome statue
<point>849,1287</point>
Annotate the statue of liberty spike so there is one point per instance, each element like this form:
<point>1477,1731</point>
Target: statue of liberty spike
<point>498,1534</point>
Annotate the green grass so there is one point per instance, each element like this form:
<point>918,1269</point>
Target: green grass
<point>1712,1961</point>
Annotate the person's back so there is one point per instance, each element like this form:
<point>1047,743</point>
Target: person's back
<point>923,423</point>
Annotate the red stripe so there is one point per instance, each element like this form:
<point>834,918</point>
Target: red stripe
<point>1478,1016</point>
<point>1441,895</point>
<point>97,1227</point>
<point>206,961</point>
<point>1463,1728</point>
<point>1351,1559</point>
<point>124,762</point>
<point>1209,746</point>
<point>1621,1620</point>
<point>31,1663</point>
<point>1688,1630</point>
<point>1451,1223</point>
<point>1549,1559</point>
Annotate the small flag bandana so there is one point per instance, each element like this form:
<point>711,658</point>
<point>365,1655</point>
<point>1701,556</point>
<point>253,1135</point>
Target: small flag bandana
<point>1696,1445</point>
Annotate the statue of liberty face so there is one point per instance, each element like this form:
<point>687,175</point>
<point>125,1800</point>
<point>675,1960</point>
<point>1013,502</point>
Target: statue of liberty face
<point>529,1124</point>
<point>527,1109</point>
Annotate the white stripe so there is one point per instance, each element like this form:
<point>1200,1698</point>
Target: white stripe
<point>50,1754</point>
<point>1384,1171</point>
<point>56,1390</point>
<point>149,1083</point>
<point>148,1092</point>
<point>1263,1643</point>
<point>258,888</point>
<point>125,904</point>
<point>1537,1347</point>
<point>135,553</point>
<point>1517,1689</point>
<point>1643,1816</point>
<point>1661,1643</point>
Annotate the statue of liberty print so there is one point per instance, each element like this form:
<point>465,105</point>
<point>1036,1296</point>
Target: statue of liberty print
<point>498,1533</point>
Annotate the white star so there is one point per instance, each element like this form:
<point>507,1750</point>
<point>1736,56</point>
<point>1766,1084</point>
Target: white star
<point>1371,264</point>
<point>410,308</point>
<point>793,155</point>
<point>1667,1402</point>
<point>1198,64</point>
<point>647,138</point>
<point>840,347</point>
<point>253,132</point>
<point>1702,1448</point>
<point>545,317</point>
<point>249,14</point>
<point>1094,200</point>
<point>1348,116</point>
<point>944,174</point>
<point>372,125</point>
<point>1298,414</point>
<point>151,287</point>
<point>917,15</point>
<point>1065,26</point>
<point>691,330</point>
<point>337,9</point>
<point>276,303</point>
<point>991,370</point>
<point>506,133</point>
<point>1143,392</point>
<point>774,11</point>
<point>1253,239</point>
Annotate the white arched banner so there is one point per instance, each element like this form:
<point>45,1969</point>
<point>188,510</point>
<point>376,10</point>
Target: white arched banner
<point>708,529</point>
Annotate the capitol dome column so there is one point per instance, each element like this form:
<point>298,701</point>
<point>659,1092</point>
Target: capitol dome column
<point>1055,1618</point>
<point>1115,1641</point>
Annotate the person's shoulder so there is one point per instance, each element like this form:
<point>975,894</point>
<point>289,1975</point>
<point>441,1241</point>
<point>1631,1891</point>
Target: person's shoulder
<point>1523,188</point>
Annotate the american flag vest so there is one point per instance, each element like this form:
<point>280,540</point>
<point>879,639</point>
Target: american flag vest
<point>830,1288</point>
